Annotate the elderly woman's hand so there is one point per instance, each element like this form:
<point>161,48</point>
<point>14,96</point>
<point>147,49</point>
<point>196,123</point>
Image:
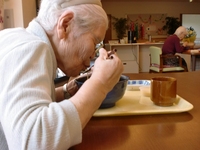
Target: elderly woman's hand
<point>188,44</point>
<point>107,69</point>
<point>72,86</point>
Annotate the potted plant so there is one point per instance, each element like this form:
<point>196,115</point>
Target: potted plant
<point>172,23</point>
<point>120,26</point>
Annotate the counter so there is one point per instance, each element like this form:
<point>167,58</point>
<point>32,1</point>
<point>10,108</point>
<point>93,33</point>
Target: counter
<point>134,56</point>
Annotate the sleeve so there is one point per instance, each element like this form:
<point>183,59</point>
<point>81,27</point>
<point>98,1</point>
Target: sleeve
<point>179,48</point>
<point>29,118</point>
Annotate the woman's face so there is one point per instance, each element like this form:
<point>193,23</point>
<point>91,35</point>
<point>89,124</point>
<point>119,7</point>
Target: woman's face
<point>77,52</point>
<point>182,35</point>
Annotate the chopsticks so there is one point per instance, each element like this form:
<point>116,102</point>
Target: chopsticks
<point>88,69</point>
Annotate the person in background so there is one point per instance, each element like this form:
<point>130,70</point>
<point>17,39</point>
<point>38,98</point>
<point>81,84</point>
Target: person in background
<point>64,36</point>
<point>172,46</point>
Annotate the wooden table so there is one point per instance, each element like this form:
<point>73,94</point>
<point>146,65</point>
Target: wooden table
<point>150,132</point>
<point>193,58</point>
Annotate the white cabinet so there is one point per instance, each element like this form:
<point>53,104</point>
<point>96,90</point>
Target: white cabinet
<point>130,66</point>
<point>129,55</point>
<point>135,57</point>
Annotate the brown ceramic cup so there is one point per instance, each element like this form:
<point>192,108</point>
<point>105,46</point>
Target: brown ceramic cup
<point>163,91</point>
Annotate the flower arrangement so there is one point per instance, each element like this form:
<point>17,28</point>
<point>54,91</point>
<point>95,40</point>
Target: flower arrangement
<point>191,36</point>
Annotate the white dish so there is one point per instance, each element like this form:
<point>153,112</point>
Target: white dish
<point>135,84</point>
<point>133,103</point>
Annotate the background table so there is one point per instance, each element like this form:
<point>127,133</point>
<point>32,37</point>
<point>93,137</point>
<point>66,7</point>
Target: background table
<point>193,58</point>
<point>149,132</point>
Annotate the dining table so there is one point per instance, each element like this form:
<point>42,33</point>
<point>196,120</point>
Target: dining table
<point>194,54</point>
<point>164,131</point>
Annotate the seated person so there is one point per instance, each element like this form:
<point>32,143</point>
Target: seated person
<point>172,46</point>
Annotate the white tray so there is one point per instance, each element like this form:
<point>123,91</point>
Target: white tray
<point>132,103</point>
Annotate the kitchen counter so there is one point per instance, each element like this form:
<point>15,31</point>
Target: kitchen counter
<point>134,56</point>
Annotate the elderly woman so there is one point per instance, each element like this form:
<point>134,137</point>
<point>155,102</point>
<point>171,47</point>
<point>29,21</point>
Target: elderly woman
<point>64,36</point>
<point>172,46</point>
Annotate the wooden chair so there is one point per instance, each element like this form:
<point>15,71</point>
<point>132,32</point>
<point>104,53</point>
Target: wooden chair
<point>156,61</point>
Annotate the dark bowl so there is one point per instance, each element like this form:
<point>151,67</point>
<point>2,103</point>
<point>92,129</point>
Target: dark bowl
<point>114,95</point>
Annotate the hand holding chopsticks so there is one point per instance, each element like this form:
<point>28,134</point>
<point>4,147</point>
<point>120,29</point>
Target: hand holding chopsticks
<point>110,53</point>
<point>109,57</point>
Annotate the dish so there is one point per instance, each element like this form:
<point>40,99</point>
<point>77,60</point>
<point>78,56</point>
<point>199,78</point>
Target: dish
<point>114,95</point>
<point>132,103</point>
<point>135,84</point>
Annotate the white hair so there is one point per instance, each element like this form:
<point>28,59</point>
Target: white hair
<point>180,30</point>
<point>87,17</point>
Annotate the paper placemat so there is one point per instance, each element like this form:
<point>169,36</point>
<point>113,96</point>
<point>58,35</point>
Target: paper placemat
<point>132,103</point>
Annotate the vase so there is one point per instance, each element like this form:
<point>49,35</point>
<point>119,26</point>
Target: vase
<point>132,37</point>
<point>122,41</point>
<point>190,39</point>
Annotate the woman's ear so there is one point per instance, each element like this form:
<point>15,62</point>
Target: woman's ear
<point>63,24</point>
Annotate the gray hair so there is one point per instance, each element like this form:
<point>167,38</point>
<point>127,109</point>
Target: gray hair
<point>87,17</point>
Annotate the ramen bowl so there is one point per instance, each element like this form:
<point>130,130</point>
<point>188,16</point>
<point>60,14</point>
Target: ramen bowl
<point>114,95</point>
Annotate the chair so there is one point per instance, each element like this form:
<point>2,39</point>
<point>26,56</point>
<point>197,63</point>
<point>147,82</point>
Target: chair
<point>156,61</point>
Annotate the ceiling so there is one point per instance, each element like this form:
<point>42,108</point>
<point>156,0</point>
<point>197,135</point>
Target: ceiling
<point>149,0</point>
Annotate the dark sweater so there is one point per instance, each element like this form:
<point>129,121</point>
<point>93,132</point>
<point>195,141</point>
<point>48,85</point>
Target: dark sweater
<point>172,45</point>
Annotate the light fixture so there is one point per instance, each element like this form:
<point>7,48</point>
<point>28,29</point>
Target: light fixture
<point>190,0</point>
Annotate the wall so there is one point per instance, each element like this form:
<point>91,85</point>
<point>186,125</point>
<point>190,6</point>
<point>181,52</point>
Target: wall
<point>29,11</point>
<point>192,20</point>
<point>23,11</point>
<point>120,9</point>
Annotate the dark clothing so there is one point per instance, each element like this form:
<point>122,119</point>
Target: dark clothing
<point>174,62</point>
<point>172,45</point>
